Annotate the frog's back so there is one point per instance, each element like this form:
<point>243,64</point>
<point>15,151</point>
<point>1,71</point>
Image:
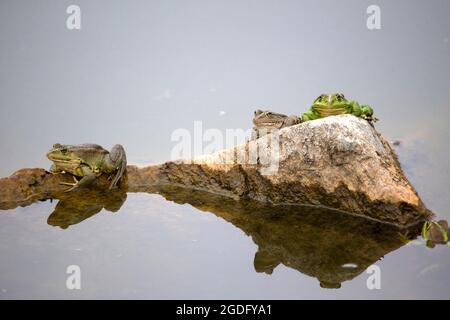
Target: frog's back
<point>91,146</point>
<point>93,154</point>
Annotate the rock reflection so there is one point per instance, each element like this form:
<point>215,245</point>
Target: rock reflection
<point>75,207</point>
<point>329,245</point>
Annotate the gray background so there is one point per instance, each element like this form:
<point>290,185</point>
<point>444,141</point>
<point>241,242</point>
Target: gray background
<point>138,70</point>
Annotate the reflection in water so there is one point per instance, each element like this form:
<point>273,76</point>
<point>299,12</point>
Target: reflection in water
<point>331,246</point>
<point>82,204</point>
<point>435,232</point>
<point>328,245</point>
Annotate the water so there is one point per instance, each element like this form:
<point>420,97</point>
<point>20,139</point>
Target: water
<point>135,74</point>
<point>176,243</point>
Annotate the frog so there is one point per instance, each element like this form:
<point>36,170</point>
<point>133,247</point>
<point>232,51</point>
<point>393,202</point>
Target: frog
<point>73,208</point>
<point>266,122</point>
<point>335,104</point>
<point>435,232</point>
<point>432,233</point>
<point>88,161</point>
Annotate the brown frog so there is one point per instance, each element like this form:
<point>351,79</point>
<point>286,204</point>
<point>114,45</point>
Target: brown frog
<point>266,122</point>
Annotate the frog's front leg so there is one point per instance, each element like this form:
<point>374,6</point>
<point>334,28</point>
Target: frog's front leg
<point>355,109</point>
<point>291,121</point>
<point>87,179</point>
<point>367,113</point>
<point>255,133</point>
<point>363,111</point>
<point>310,115</point>
<point>55,169</point>
<point>117,160</point>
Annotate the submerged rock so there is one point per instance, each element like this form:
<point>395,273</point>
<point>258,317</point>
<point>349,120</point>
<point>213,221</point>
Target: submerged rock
<point>340,162</point>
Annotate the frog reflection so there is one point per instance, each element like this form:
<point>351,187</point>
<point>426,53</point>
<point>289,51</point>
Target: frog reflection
<point>321,243</point>
<point>435,232</point>
<point>80,205</point>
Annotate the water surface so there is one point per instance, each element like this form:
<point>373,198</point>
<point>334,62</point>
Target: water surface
<point>179,243</point>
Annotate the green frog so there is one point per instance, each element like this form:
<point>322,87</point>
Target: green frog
<point>266,122</point>
<point>334,104</point>
<point>435,232</point>
<point>88,161</point>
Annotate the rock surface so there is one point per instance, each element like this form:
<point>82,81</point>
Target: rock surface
<point>339,162</point>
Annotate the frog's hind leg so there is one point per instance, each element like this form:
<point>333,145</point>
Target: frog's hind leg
<point>118,159</point>
<point>87,179</point>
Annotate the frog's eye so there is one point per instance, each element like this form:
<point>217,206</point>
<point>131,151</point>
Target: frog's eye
<point>320,97</point>
<point>340,96</point>
<point>63,151</point>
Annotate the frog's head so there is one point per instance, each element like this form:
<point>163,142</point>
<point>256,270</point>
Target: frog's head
<point>334,100</point>
<point>267,118</point>
<point>64,154</point>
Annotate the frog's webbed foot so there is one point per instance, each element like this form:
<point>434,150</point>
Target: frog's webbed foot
<point>119,161</point>
<point>367,113</point>
<point>371,119</point>
<point>73,185</point>
<point>87,180</point>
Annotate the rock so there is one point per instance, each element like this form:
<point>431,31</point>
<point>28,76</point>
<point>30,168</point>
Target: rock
<point>339,162</point>
<point>26,186</point>
<point>20,187</point>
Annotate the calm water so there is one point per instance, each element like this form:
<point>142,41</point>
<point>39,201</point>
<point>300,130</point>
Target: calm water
<point>136,73</point>
<point>177,243</point>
